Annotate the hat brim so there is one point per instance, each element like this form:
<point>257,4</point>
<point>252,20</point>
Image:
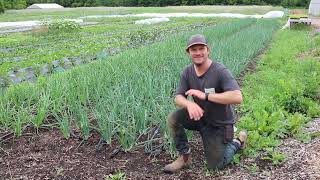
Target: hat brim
<point>196,43</point>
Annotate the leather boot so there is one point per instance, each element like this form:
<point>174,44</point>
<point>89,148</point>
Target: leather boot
<point>183,161</point>
<point>242,139</point>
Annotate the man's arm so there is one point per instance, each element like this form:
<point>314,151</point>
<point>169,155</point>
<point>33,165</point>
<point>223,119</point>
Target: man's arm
<point>194,110</point>
<point>228,97</point>
<point>181,101</point>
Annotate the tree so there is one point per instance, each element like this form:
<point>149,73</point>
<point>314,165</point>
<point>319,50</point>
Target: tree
<point>1,7</point>
<point>19,4</point>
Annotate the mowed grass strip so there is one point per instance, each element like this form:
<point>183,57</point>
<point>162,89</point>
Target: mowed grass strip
<point>124,95</point>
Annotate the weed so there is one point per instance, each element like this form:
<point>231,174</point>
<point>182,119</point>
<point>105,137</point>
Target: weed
<point>118,176</point>
<point>275,157</point>
<point>253,168</point>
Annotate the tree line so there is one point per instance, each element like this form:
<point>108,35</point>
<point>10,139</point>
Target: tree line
<point>21,4</point>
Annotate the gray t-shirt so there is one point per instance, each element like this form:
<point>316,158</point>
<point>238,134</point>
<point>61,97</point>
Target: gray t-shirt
<point>217,77</point>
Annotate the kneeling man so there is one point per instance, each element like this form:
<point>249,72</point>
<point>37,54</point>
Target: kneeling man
<point>214,91</point>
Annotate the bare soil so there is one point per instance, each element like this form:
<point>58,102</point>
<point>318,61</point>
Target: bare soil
<point>47,155</point>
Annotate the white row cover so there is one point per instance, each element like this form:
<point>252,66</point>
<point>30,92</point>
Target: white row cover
<point>270,14</point>
<point>30,23</point>
<point>152,21</point>
<point>157,17</point>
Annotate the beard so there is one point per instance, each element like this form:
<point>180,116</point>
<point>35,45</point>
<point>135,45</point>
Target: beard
<point>198,64</point>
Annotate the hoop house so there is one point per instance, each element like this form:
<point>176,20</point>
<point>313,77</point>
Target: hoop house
<point>314,8</point>
<point>45,6</point>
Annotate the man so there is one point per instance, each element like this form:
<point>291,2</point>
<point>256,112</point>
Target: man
<point>214,90</point>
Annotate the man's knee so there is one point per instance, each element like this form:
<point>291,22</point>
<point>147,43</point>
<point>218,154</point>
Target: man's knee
<point>214,165</point>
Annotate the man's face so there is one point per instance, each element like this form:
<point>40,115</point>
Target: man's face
<point>199,54</point>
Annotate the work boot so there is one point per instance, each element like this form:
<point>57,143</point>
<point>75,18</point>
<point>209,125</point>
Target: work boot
<point>183,161</point>
<point>243,139</point>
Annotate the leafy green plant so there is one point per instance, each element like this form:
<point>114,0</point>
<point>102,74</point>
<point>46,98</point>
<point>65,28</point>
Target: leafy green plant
<point>118,176</point>
<point>63,26</point>
<point>253,168</point>
<point>280,98</point>
<point>275,157</point>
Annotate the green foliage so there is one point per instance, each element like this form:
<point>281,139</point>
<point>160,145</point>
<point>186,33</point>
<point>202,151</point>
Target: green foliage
<point>281,97</point>
<point>15,4</point>
<point>274,156</point>
<point>62,26</point>
<point>2,7</point>
<point>295,123</point>
<point>124,86</point>
<point>118,176</point>
<point>253,168</point>
<point>92,42</point>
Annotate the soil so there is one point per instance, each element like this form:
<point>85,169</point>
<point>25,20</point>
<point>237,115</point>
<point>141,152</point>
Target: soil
<point>47,155</point>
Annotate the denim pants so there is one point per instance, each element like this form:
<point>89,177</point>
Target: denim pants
<point>218,150</point>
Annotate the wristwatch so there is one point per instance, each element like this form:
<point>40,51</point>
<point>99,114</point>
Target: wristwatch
<point>207,96</point>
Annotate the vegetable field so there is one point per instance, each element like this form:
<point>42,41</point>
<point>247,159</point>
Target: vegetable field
<point>26,56</point>
<point>115,79</point>
<point>124,95</point>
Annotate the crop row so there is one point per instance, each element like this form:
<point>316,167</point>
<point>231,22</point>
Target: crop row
<point>89,45</point>
<point>282,96</point>
<point>124,95</point>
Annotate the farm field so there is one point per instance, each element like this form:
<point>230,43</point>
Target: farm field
<point>109,110</point>
<point>21,15</point>
<point>25,56</point>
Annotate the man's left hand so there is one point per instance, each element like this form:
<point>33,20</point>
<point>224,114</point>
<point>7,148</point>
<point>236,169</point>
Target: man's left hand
<point>196,93</point>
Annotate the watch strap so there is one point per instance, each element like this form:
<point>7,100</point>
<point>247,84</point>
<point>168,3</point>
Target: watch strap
<point>207,96</point>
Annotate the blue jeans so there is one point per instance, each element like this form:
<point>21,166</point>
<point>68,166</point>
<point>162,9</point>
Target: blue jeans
<point>219,147</point>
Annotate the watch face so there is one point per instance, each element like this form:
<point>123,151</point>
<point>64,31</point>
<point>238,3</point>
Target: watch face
<point>209,90</point>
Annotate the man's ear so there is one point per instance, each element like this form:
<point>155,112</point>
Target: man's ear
<point>187,51</point>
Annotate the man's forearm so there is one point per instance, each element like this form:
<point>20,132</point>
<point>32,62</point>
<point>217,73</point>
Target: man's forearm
<point>229,97</point>
<point>181,101</point>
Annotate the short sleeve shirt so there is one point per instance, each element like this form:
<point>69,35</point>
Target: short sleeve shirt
<point>217,78</point>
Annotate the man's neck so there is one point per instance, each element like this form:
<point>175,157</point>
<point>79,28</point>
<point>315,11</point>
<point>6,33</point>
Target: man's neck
<point>200,70</point>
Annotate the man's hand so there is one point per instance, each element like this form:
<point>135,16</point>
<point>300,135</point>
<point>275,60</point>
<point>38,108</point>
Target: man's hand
<point>195,111</point>
<point>196,93</point>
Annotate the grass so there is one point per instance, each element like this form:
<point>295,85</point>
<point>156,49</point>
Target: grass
<point>21,15</point>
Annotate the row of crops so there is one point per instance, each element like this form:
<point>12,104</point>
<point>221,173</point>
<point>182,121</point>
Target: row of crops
<point>283,95</point>
<point>41,53</point>
<point>122,96</point>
